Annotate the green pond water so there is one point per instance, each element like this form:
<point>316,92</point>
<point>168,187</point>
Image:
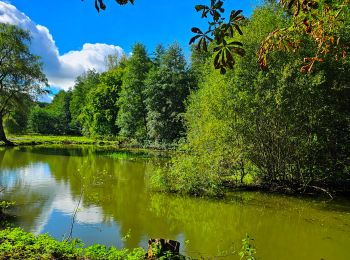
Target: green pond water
<point>116,203</point>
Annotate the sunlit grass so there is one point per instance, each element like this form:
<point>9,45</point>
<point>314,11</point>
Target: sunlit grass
<point>51,139</point>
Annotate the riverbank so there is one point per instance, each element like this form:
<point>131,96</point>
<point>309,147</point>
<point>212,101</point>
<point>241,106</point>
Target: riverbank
<point>113,143</point>
<point>218,187</point>
<point>47,183</point>
<point>18,244</point>
<point>25,140</point>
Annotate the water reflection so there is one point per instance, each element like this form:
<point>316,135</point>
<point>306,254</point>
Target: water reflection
<point>47,184</point>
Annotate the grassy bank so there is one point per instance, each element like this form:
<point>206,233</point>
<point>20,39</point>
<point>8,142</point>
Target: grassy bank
<point>51,139</point>
<point>18,244</point>
<point>119,142</point>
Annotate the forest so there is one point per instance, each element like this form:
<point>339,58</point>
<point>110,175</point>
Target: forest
<point>139,98</point>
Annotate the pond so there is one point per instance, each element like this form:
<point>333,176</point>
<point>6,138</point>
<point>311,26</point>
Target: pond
<point>116,208</point>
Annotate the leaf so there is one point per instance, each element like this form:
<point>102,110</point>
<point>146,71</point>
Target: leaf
<point>234,14</point>
<point>102,5</point>
<point>217,48</point>
<point>218,5</point>
<point>291,4</point>
<point>196,30</point>
<point>238,29</point>
<point>222,70</point>
<point>193,39</point>
<point>235,43</point>
<point>205,45</point>
<point>217,64</point>
<point>204,14</point>
<point>239,51</point>
<point>96,6</point>
<point>200,7</point>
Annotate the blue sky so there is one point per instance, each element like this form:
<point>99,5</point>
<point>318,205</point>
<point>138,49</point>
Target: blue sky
<point>72,37</point>
<point>73,22</point>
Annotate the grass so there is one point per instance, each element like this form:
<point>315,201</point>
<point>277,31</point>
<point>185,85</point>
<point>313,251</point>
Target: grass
<point>51,139</point>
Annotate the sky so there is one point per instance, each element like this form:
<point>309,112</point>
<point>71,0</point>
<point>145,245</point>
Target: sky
<point>72,37</point>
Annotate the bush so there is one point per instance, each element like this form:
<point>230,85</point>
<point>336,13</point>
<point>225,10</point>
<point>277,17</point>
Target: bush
<point>189,175</point>
<point>44,121</point>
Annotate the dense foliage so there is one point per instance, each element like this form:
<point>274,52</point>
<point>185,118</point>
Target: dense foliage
<point>132,116</point>
<point>18,244</point>
<point>168,84</point>
<point>21,77</point>
<point>53,118</point>
<point>279,127</point>
<point>287,129</point>
<point>137,98</point>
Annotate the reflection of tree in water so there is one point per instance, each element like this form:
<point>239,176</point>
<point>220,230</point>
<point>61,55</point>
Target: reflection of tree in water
<point>31,202</point>
<point>119,188</point>
<point>29,207</point>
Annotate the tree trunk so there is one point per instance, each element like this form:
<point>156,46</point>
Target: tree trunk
<point>3,135</point>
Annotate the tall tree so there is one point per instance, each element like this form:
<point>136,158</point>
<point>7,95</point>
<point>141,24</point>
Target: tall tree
<point>83,85</point>
<point>60,106</point>
<point>21,73</point>
<point>132,117</point>
<point>101,109</point>
<point>168,85</point>
<point>286,128</point>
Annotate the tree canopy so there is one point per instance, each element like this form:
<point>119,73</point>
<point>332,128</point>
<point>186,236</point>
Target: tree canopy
<point>287,129</point>
<point>21,76</point>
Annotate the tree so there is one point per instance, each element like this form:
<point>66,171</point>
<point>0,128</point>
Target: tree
<point>21,73</point>
<point>17,121</point>
<point>44,121</point>
<point>113,60</point>
<point>101,109</point>
<point>132,116</point>
<point>60,107</point>
<point>168,85</point>
<point>287,129</point>
<point>54,118</point>
<point>322,22</point>
<point>83,85</point>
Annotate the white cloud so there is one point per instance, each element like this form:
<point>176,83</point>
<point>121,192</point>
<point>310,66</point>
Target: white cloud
<point>61,70</point>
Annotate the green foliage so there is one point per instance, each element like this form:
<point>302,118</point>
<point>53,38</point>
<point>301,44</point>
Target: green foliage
<point>287,128</point>
<point>220,33</point>
<point>130,101</point>
<point>18,244</point>
<point>83,85</point>
<point>100,112</point>
<point>185,175</point>
<point>53,118</point>
<point>6,205</point>
<point>248,250</point>
<point>167,87</point>
<point>21,76</point>
<point>17,121</point>
<point>44,121</point>
<point>62,140</point>
<point>132,116</point>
